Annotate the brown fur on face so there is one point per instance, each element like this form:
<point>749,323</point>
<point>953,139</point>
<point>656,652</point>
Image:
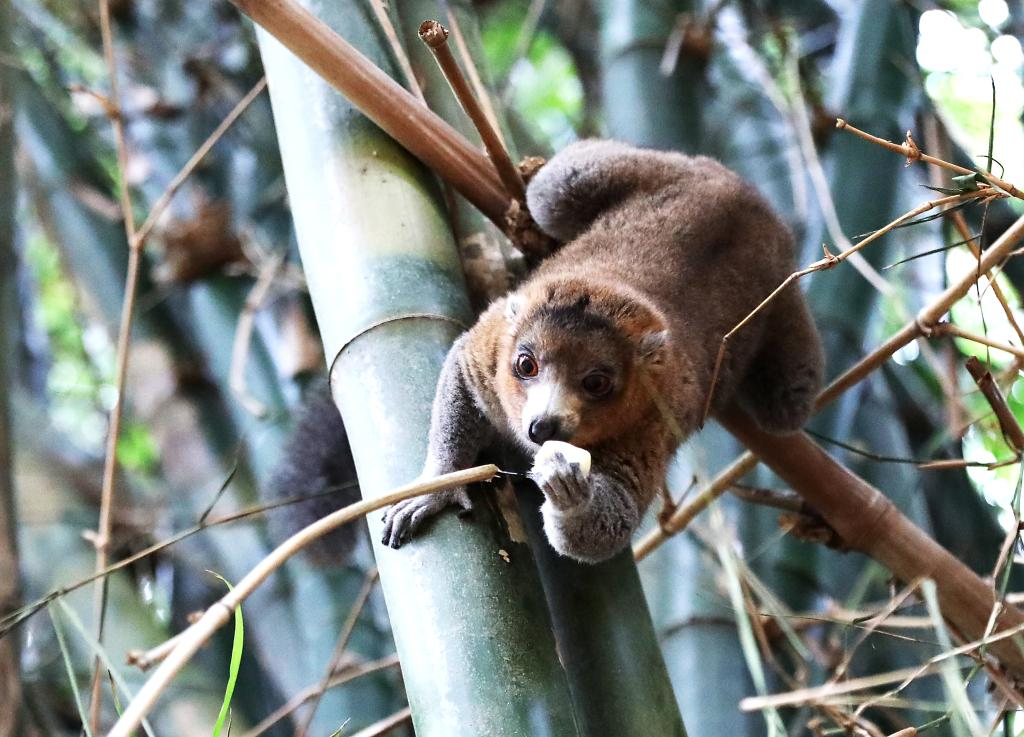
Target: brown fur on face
<point>574,330</point>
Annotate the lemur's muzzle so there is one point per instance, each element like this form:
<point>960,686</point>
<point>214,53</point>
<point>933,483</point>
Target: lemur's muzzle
<point>547,428</point>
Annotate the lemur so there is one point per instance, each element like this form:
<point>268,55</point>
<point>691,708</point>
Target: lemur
<point>610,344</point>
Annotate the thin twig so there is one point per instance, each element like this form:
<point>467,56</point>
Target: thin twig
<point>338,679</point>
<point>243,334</point>
<point>948,328</point>
<point>682,517</point>
<point>1011,429</point>
<point>483,96</point>
<point>223,609</point>
<point>961,226</point>
<point>904,676</point>
<point>435,36</point>
<point>186,171</point>
<point>893,605</point>
<point>146,659</point>
<point>380,12</point>
<point>386,724</point>
<point>911,151</point>
<point>339,649</point>
<point>131,279</point>
<point>18,616</point>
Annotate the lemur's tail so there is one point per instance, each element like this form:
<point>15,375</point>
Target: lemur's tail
<point>316,463</point>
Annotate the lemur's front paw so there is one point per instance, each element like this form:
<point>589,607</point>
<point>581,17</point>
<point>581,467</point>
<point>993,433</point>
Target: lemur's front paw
<point>403,519</point>
<point>563,482</point>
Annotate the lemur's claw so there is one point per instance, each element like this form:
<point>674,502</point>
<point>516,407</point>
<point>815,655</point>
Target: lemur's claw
<point>402,520</point>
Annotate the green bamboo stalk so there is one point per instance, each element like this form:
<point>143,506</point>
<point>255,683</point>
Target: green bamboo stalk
<point>10,588</point>
<point>470,625</point>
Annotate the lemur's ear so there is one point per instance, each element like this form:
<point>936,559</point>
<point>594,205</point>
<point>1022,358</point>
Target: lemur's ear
<point>513,305</point>
<point>650,349</point>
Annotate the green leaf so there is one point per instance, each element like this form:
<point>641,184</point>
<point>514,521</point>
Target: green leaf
<point>237,644</point>
<point>968,182</point>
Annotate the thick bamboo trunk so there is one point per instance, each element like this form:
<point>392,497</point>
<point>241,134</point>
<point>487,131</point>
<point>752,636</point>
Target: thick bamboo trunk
<point>477,653</point>
<point>606,641</point>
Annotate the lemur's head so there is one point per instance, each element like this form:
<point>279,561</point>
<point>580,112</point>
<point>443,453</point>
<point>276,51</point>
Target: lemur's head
<point>573,362</point>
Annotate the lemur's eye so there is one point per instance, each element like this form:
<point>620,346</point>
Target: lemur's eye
<point>597,385</point>
<point>526,366</point>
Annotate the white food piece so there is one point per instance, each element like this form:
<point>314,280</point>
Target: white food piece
<point>569,451</point>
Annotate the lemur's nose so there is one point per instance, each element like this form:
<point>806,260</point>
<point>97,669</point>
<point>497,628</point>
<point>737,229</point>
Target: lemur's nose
<point>544,428</point>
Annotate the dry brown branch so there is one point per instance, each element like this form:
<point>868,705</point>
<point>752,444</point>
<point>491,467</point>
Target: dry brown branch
<point>223,609</point>
<point>868,522</point>
<point>384,101</point>
<point>435,36</point>
<point>947,328</point>
<point>243,335</point>
<point>1011,429</point>
<point>926,318</point>
<point>829,261</point>
<point>903,677</point>
<point>914,153</point>
<point>965,234</point>
<point>483,96</point>
<point>338,679</point>
<point>146,659</point>
<point>339,649</point>
<point>822,694</point>
<point>186,171</point>
<point>938,139</point>
<point>386,724</point>
<point>102,537</point>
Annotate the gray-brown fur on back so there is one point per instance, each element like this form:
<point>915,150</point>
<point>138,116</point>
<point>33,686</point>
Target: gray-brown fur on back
<point>698,240</point>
